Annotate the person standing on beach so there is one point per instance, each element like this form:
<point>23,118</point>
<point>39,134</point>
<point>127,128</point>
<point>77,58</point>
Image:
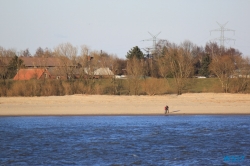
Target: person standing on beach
<point>166,109</point>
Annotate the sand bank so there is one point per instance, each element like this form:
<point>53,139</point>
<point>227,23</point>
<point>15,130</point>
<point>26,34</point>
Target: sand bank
<point>202,103</point>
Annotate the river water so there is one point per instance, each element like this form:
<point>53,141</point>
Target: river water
<point>125,140</point>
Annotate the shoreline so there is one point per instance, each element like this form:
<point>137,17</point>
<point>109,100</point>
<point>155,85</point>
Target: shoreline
<point>111,105</point>
<point>103,115</point>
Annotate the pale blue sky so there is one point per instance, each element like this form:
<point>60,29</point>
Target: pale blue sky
<point>115,26</point>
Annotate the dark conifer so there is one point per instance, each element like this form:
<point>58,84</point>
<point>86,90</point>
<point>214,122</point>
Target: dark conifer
<point>135,52</point>
<point>204,70</point>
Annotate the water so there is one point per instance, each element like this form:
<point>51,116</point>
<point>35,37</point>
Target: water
<point>124,140</point>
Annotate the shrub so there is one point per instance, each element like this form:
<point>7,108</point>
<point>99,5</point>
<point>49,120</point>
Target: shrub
<point>154,86</point>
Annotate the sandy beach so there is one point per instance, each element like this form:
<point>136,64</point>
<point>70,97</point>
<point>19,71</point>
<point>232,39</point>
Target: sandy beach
<point>186,104</point>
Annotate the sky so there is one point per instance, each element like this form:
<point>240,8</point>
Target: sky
<point>116,26</point>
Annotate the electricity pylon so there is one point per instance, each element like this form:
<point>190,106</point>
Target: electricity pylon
<point>154,39</point>
<point>222,38</point>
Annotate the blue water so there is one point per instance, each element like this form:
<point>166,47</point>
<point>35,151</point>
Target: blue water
<point>124,140</point>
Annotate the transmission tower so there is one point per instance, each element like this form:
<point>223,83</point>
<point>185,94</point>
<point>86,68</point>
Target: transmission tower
<point>154,39</point>
<point>222,38</point>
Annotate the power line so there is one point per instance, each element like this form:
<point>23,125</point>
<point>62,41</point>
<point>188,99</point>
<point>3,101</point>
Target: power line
<point>154,39</point>
<point>222,38</point>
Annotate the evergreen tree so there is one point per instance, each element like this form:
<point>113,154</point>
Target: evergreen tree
<point>13,66</point>
<point>204,70</point>
<point>135,52</point>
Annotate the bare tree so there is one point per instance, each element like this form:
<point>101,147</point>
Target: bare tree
<point>4,61</point>
<point>48,53</point>
<point>67,53</point>
<point>135,71</point>
<point>179,61</point>
<point>90,62</point>
<point>241,74</point>
<point>84,61</point>
<point>223,67</point>
<point>164,67</point>
<point>39,52</point>
<point>25,53</point>
<point>212,49</point>
<point>225,62</point>
<point>8,65</point>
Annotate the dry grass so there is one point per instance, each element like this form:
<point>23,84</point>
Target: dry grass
<point>149,86</point>
<point>154,86</point>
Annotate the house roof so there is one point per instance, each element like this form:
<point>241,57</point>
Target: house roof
<point>27,74</point>
<point>103,71</point>
<point>41,62</point>
<point>54,71</point>
<point>100,71</point>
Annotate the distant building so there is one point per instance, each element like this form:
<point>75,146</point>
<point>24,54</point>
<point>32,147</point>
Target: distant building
<point>39,62</point>
<point>55,68</point>
<point>103,72</point>
<point>28,74</point>
<point>99,73</point>
<point>241,73</point>
<point>57,73</point>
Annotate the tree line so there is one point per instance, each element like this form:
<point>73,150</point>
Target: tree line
<point>179,62</point>
<point>186,60</point>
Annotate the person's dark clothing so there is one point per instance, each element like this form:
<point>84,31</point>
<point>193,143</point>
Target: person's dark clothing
<point>166,109</point>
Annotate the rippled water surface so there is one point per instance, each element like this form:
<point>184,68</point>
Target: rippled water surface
<point>124,140</point>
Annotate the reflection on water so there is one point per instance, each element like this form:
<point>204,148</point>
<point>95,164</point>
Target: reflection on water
<point>124,140</point>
